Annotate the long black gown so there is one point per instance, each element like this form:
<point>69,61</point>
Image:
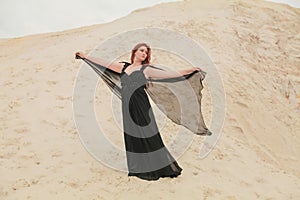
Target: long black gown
<point>147,156</point>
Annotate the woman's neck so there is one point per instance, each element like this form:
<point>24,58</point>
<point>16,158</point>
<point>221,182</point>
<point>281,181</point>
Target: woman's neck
<point>136,63</point>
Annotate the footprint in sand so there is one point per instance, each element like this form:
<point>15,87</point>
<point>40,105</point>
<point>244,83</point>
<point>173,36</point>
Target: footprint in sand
<point>21,130</point>
<point>14,104</point>
<point>56,154</point>
<point>51,82</point>
<point>243,105</point>
<point>21,183</point>
<point>59,97</point>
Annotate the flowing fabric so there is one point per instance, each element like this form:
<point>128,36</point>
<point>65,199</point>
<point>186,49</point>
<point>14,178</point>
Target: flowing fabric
<point>147,156</point>
<point>173,96</point>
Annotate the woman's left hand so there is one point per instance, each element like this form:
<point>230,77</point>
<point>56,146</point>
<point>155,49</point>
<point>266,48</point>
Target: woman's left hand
<point>197,69</point>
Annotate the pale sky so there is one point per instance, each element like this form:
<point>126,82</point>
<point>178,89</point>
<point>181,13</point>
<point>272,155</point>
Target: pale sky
<point>25,17</point>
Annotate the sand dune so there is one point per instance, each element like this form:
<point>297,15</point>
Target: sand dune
<point>256,48</point>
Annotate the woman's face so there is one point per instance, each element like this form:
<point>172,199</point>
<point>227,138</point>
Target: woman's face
<point>141,53</point>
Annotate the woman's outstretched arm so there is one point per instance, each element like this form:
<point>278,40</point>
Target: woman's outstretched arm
<point>115,66</point>
<point>155,73</point>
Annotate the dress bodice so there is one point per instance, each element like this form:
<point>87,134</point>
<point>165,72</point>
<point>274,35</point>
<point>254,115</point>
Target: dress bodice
<point>135,79</point>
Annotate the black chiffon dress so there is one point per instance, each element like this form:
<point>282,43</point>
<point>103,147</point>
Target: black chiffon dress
<point>147,156</point>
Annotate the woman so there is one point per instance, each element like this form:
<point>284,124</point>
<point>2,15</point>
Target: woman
<point>147,157</point>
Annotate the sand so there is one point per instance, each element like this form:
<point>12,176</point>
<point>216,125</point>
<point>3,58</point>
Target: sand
<point>256,48</point>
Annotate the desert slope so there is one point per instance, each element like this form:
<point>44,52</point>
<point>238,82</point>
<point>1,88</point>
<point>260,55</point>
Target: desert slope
<point>256,48</point>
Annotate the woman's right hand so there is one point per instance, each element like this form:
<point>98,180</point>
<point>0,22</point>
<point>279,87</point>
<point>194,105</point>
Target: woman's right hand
<point>80,55</point>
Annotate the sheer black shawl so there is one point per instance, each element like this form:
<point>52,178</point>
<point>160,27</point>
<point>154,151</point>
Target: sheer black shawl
<point>178,98</point>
